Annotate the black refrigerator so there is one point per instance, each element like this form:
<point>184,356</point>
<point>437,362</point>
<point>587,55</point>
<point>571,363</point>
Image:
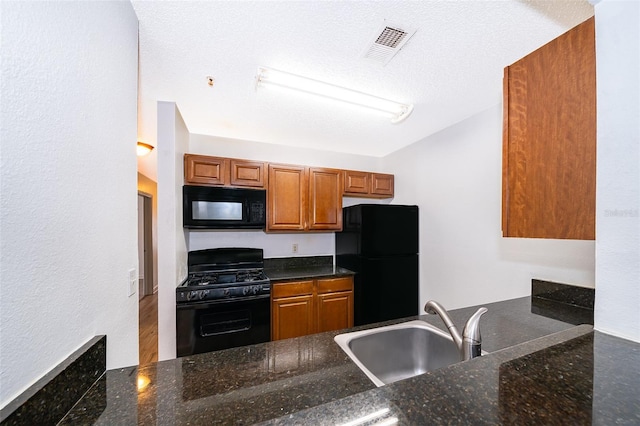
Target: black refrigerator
<point>379,242</point>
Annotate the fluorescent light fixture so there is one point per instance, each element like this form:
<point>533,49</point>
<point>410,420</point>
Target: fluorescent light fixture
<point>143,149</point>
<point>270,77</point>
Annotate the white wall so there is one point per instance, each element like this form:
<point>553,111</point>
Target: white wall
<point>68,185</point>
<point>617,309</point>
<point>455,178</point>
<point>274,245</point>
<point>280,244</point>
<point>173,140</point>
<point>237,148</point>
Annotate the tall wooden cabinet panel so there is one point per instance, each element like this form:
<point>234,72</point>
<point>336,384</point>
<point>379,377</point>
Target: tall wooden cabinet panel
<point>325,199</point>
<point>549,140</point>
<point>205,170</point>
<point>286,198</point>
<point>248,173</point>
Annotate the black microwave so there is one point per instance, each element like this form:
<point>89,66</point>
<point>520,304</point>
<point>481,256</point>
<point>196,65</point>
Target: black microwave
<point>210,207</point>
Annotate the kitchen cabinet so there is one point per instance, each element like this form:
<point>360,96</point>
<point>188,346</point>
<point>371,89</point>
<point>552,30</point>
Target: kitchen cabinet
<point>325,199</point>
<point>304,199</point>
<point>381,185</point>
<point>334,304</point>
<point>217,171</point>
<point>250,174</point>
<point>205,170</point>
<point>299,308</point>
<point>299,198</point>
<point>292,309</point>
<point>549,140</point>
<point>286,198</point>
<point>368,185</point>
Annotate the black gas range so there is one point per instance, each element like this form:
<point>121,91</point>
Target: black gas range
<point>223,274</point>
<point>224,302</point>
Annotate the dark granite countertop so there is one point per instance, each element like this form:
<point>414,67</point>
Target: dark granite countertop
<point>301,268</point>
<point>307,273</point>
<point>540,370</point>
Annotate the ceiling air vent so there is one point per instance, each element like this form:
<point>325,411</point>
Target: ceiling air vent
<point>387,42</point>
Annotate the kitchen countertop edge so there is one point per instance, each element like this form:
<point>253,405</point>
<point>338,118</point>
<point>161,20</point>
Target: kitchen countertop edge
<point>325,379</point>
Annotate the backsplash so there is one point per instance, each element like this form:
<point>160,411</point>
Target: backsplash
<point>564,302</point>
<point>273,244</point>
<point>297,262</point>
<point>49,399</point>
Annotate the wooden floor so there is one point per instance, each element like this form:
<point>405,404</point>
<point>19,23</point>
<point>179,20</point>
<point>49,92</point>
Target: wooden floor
<point>148,333</point>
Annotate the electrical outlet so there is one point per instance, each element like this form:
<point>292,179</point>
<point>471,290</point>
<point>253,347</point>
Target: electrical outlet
<point>132,284</point>
<point>294,248</point>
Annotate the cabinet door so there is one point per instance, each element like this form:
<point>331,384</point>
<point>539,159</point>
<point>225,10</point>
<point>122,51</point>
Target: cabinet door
<point>368,185</point>
<point>205,170</point>
<point>549,151</point>
<point>334,303</point>
<point>287,203</point>
<point>292,317</point>
<point>248,173</point>
<point>382,184</point>
<point>325,199</point>
<point>335,311</point>
<point>356,183</point>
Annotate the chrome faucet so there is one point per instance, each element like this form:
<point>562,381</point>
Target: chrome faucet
<point>470,343</point>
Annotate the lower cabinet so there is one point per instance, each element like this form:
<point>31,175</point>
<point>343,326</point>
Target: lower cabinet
<point>304,307</point>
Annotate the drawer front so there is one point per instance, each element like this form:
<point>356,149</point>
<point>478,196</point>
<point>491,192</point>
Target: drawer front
<point>330,285</point>
<point>294,288</point>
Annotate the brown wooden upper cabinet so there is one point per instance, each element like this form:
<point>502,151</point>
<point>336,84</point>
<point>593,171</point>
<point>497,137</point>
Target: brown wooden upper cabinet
<point>549,140</point>
<point>205,170</point>
<point>367,185</point>
<point>304,199</point>
<point>286,198</point>
<point>217,171</point>
<point>325,199</point>
<point>248,173</point>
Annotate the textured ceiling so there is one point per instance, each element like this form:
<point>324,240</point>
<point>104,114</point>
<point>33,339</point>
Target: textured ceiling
<point>450,69</point>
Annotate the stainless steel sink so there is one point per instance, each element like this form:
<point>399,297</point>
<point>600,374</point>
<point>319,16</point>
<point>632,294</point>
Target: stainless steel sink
<point>395,352</point>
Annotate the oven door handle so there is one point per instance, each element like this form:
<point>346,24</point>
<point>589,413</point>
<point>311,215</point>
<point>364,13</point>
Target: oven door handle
<point>225,327</point>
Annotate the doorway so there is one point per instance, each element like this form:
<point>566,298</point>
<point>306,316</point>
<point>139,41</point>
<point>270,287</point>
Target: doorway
<point>147,298</point>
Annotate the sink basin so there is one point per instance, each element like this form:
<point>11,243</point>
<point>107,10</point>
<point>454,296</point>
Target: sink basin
<point>395,352</point>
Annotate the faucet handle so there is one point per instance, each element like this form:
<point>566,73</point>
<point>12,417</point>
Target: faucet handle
<point>471,329</point>
<point>471,339</point>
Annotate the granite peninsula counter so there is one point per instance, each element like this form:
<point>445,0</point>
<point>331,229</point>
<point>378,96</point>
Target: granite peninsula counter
<point>540,370</point>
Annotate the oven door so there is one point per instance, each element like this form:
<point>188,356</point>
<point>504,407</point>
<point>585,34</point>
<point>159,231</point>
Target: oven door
<point>214,325</point>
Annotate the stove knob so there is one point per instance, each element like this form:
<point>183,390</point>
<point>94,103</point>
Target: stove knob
<point>201,294</point>
<point>245,291</point>
<point>226,292</point>
<point>255,289</point>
